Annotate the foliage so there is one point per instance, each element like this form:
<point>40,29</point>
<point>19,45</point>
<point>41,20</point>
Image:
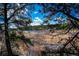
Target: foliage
<point>63,26</point>
<point>45,27</point>
<point>13,36</point>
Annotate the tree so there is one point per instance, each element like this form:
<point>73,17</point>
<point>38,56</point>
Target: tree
<point>9,13</point>
<point>67,10</point>
<point>6,31</point>
<point>64,8</point>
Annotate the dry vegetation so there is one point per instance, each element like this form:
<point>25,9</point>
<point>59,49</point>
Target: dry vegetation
<point>40,40</point>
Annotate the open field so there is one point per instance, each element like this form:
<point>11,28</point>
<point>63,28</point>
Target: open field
<point>36,42</point>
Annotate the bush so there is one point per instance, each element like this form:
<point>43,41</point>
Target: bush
<point>13,36</point>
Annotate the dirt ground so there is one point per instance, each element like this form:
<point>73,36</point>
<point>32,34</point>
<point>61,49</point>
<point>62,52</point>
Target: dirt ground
<point>48,37</point>
<point>39,40</point>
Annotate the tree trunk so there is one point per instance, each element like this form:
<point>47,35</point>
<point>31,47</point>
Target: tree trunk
<point>7,41</point>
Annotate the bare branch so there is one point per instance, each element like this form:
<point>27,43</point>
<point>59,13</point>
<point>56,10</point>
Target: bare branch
<point>16,11</point>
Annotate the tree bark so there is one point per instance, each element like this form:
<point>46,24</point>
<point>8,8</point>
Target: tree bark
<point>7,40</point>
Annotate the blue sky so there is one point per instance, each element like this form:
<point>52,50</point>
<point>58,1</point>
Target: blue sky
<point>38,17</point>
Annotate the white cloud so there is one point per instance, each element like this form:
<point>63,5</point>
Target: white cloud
<point>18,4</point>
<point>35,12</point>
<point>77,16</point>
<point>37,21</point>
<point>12,26</point>
<point>10,11</point>
<point>34,24</point>
<point>26,9</point>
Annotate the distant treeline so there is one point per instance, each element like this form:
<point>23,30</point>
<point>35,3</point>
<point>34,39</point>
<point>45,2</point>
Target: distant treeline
<point>44,27</point>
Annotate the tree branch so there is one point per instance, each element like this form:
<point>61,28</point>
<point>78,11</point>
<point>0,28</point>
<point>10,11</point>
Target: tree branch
<point>16,11</point>
<point>70,16</point>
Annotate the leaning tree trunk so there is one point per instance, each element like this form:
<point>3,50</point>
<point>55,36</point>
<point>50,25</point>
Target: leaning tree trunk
<point>7,41</point>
